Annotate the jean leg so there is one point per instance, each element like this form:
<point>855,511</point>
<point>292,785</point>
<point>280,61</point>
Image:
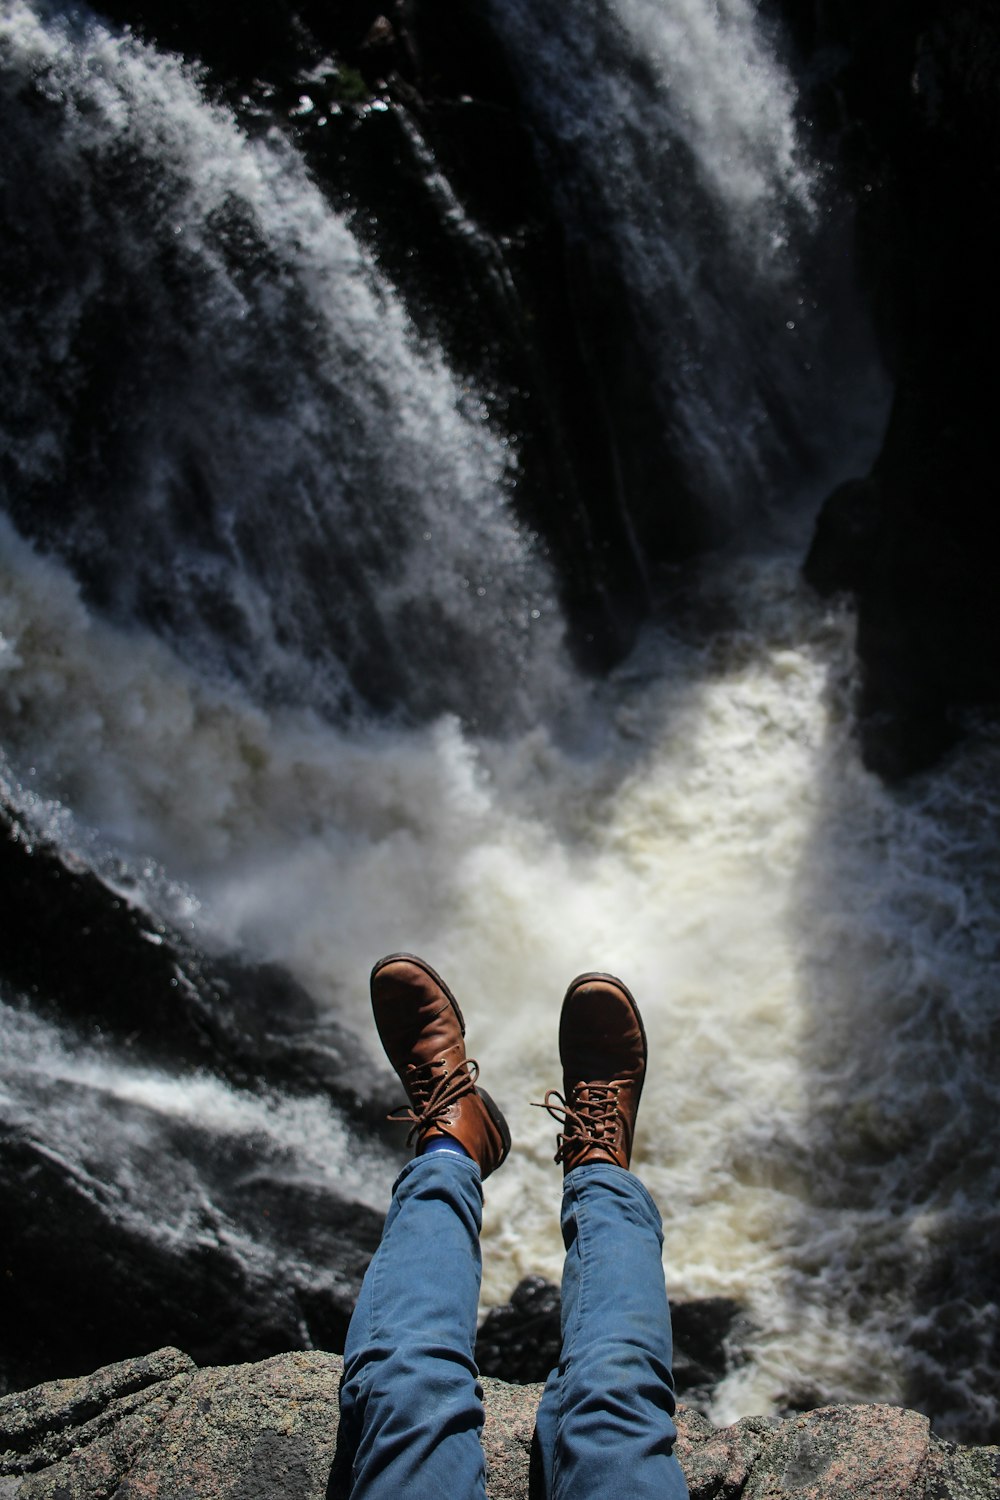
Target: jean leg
<point>605,1423</point>
<point>411,1403</point>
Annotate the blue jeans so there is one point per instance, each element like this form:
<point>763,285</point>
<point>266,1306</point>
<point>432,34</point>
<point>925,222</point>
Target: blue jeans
<point>411,1403</point>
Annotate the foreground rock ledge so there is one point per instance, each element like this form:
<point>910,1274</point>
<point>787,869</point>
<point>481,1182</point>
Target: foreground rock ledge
<point>159,1426</point>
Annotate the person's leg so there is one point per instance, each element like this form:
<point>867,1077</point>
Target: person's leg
<point>605,1423</point>
<point>411,1405</point>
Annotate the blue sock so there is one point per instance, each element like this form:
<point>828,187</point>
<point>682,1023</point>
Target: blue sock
<point>443,1143</point>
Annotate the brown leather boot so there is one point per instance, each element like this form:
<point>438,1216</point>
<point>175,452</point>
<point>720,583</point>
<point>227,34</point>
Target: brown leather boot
<point>422,1031</point>
<point>602,1047</point>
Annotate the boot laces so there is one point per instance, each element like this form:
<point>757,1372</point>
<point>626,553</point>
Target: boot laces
<point>591,1120</point>
<point>433,1090</point>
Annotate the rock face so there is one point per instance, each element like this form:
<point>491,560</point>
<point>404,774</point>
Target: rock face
<point>915,89</point>
<point>159,1426</point>
<point>98,970</point>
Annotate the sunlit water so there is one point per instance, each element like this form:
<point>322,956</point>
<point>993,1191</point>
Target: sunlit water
<point>813,954</point>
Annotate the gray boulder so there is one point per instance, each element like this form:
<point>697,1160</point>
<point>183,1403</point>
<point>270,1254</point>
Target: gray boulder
<point>160,1427</point>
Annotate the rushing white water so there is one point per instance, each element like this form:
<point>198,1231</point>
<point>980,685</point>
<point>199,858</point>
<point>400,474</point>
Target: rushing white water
<point>77,1090</point>
<point>671,141</point>
<point>279,438</point>
<point>813,954</point>
<point>706,78</point>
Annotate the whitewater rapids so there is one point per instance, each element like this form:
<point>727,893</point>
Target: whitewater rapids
<point>810,950</point>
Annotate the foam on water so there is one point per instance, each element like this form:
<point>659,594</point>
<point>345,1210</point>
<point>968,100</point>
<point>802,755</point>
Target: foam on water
<point>813,954</point>
<point>708,76</point>
<point>742,128</point>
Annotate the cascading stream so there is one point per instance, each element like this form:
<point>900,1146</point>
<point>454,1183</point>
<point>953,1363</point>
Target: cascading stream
<point>670,139</point>
<point>308,499</point>
<point>812,952</point>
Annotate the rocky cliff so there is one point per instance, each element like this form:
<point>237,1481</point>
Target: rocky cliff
<point>912,93</point>
<point>158,1425</point>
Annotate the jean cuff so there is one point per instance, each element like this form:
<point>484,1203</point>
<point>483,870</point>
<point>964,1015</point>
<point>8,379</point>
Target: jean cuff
<point>617,1177</point>
<point>448,1161</point>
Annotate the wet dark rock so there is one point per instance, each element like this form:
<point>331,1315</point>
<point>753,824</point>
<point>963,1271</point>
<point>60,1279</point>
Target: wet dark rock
<point>707,1335</point>
<point>273,1262</point>
<point>272,1265</point>
<point>504,294</point>
<point>848,536</point>
<point>157,1426</point>
<point>915,92</point>
<point>77,949</point>
<point>521,1340</point>
<point>908,689</point>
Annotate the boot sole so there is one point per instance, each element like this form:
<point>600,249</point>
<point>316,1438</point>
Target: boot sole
<point>496,1115</point>
<point>411,958</point>
<point>614,980</point>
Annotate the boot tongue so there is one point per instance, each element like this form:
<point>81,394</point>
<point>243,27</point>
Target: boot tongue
<point>592,1065</point>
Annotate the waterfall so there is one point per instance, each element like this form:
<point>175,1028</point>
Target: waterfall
<point>670,137</point>
<point>280,660</point>
<point>310,499</point>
